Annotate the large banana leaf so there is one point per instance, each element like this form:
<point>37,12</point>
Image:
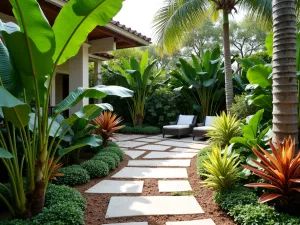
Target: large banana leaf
<point>99,91</point>
<point>91,141</point>
<point>9,27</point>
<point>6,68</point>
<point>260,75</point>
<point>14,110</point>
<point>88,112</point>
<point>38,40</point>
<point>76,20</point>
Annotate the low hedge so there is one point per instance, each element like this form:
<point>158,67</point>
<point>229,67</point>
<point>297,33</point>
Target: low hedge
<point>72,176</point>
<point>202,156</point>
<point>63,206</point>
<point>96,168</point>
<point>110,161</point>
<point>140,130</point>
<point>242,204</point>
<point>111,154</point>
<point>115,150</point>
<point>112,144</point>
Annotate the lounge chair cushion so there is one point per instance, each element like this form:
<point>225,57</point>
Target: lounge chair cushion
<point>185,120</point>
<point>204,128</point>
<point>176,127</point>
<point>209,120</point>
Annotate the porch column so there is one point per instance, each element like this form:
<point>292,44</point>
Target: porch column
<point>97,76</point>
<point>79,74</point>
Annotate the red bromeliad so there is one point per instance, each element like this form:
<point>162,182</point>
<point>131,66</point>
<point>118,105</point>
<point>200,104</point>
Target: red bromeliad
<point>281,171</point>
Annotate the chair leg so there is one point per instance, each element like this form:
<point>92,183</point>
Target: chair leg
<point>163,135</point>
<point>178,136</point>
<point>193,138</point>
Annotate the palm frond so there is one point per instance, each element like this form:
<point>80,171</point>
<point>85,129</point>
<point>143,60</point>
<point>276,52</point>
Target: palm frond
<point>173,22</point>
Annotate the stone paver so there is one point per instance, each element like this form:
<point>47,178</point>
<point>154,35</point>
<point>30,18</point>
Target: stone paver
<point>141,172</point>
<point>123,137</point>
<point>159,137</point>
<point>182,144</point>
<point>150,140</point>
<point>174,185</point>
<point>193,222</point>
<point>152,205</point>
<point>184,150</point>
<point>117,187</point>
<point>169,155</point>
<point>162,163</point>
<point>132,223</point>
<point>130,144</point>
<point>154,147</point>
<point>134,154</point>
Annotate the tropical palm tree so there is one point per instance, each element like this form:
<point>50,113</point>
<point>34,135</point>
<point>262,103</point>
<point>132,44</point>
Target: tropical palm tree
<point>174,21</point>
<point>285,121</point>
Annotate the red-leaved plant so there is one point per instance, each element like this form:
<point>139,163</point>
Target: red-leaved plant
<point>280,170</point>
<point>108,124</point>
<point>53,168</point>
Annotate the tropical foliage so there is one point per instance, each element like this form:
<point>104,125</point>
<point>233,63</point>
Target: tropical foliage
<point>32,51</point>
<point>201,82</point>
<point>225,128</point>
<point>107,124</point>
<point>142,79</point>
<point>221,170</point>
<point>280,170</point>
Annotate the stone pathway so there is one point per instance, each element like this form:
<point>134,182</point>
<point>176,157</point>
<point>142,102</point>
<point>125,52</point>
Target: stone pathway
<point>161,159</point>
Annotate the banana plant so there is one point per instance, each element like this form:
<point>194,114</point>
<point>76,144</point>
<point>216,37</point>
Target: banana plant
<point>140,77</point>
<point>202,81</point>
<point>28,61</point>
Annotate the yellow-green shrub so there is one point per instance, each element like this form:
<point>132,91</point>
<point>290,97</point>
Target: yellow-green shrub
<point>221,170</point>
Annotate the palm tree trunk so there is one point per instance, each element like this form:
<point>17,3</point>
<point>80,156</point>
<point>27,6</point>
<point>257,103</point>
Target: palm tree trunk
<point>227,61</point>
<point>285,100</point>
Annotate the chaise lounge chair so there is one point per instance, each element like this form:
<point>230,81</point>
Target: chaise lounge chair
<point>206,126</point>
<point>183,126</point>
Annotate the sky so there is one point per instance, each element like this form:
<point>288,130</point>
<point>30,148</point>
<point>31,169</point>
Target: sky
<point>138,14</point>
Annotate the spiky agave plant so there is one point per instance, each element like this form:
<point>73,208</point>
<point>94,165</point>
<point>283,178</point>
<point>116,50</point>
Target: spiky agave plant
<point>280,170</point>
<point>108,124</point>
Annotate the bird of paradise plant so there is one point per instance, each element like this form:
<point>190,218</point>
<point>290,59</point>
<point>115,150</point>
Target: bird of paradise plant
<point>107,124</point>
<point>280,170</point>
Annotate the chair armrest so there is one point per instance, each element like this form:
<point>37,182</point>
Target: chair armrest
<point>173,123</point>
<point>200,124</point>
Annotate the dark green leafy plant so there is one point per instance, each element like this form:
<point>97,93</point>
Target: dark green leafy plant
<point>252,134</point>
<point>202,81</point>
<point>110,154</point>
<point>140,130</point>
<point>95,168</point>
<point>162,107</point>
<point>72,176</point>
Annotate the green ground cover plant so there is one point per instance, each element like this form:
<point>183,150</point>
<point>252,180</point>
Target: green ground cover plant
<point>95,168</point>
<point>72,176</point>
<point>140,130</point>
<point>115,150</point>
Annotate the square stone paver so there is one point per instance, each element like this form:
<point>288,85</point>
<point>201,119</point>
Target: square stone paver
<point>125,137</point>
<point>193,222</point>
<point>172,162</point>
<point>130,144</point>
<point>141,172</point>
<point>132,223</point>
<point>184,150</point>
<point>117,187</point>
<point>169,155</point>
<point>154,147</point>
<point>149,140</point>
<point>182,144</point>
<point>134,154</point>
<point>152,205</point>
<point>159,137</point>
<point>173,185</point>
